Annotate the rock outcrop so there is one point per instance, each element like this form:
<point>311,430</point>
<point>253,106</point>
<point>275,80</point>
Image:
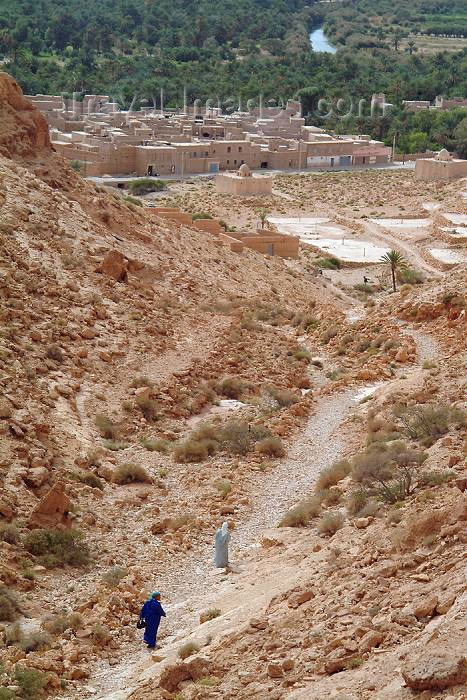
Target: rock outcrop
<point>24,131</point>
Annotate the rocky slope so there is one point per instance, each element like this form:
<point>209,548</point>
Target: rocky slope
<point>155,384</point>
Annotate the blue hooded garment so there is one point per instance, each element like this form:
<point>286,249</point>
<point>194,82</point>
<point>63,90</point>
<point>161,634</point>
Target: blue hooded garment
<point>151,612</point>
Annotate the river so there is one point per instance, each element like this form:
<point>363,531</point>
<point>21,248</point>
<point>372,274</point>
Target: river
<point>319,41</point>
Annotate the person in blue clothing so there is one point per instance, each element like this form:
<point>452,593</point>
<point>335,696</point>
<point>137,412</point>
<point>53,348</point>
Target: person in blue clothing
<point>151,613</point>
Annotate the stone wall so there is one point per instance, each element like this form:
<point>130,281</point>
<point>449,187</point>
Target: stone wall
<point>431,169</point>
<point>234,184</point>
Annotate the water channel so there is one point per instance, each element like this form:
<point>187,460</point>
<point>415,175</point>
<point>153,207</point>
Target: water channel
<point>319,41</point>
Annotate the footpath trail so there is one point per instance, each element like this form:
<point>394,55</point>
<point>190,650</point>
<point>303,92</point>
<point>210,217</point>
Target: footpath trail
<point>192,581</point>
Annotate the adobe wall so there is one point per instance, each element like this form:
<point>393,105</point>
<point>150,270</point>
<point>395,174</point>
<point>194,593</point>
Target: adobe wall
<point>177,216</point>
<point>208,225</point>
<point>234,245</point>
<point>284,246</point>
<point>431,169</point>
<point>234,184</point>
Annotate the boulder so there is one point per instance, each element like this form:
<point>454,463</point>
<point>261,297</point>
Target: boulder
<point>115,265</point>
<point>37,476</point>
<point>425,607</point>
<point>297,599</point>
<point>371,639</point>
<point>53,510</point>
<point>437,670</point>
<point>275,670</point>
<point>174,674</point>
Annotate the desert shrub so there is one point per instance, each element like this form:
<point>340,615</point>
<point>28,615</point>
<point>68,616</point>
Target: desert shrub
<point>335,374</point>
<point>365,288</point>
<point>115,445</point>
<point>128,473</point>
<point>284,397</point>
<point>113,576</point>
<point>238,436</point>
<point>9,533</point>
<point>232,387</point>
<point>301,514</point>
<point>147,406</point>
<point>362,345</point>
<point>191,451</point>
<point>179,521</point>
<point>210,614</point>
<point>271,446</point>
<point>333,474</point>
<point>156,445</point>
<point>90,479</point>
<point>329,497</point>
<point>101,634</point>
<point>224,487</point>
<point>57,547</point>
<point>356,502</point>
<point>407,275</point>
<point>418,527</point>
<point>388,467</point>
<point>145,185</point>
<point>209,682</point>
<point>106,428</point>
<point>328,263</point>
<point>188,649</point>
<point>329,334</point>
<point>57,624</point>
<point>201,215</point>
<point>13,633</point>
<point>30,682</point>
<point>55,353</point>
<point>36,640</point>
<point>394,515</point>
<point>304,321</point>
<point>428,423</point>
<point>7,694</point>
<point>302,353</point>
<point>330,523</point>
<point>436,478</point>
<point>390,344</point>
<point>132,200</point>
<point>382,436</point>
<point>140,381</point>
<point>10,606</point>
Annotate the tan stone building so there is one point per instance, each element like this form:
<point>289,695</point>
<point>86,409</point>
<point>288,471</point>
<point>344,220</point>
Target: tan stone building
<point>243,182</point>
<point>442,167</point>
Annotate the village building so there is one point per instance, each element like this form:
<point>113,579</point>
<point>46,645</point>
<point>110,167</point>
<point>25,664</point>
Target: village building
<point>243,182</point>
<point>442,167</point>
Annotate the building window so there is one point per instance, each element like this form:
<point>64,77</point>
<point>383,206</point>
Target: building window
<point>228,149</point>
<point>235,162</point>
<point>228,162</point>
<point>239,149</point>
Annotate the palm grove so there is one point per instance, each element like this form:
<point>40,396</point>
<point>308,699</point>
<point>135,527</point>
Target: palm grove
<point>240,49</point>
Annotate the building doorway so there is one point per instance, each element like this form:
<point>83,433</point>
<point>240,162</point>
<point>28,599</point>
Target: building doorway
<point>150,169</point>
<point>269,248</point>
<point>264,164</point>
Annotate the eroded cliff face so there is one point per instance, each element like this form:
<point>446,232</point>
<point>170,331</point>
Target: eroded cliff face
<point>24,131</point>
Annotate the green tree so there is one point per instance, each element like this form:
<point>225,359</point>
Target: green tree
<point>396,261</point>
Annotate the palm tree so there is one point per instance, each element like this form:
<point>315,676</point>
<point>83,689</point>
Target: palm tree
<point>396,39</point>
<point>396,261</point>
<point>263,215</point>
<point>411,47</point>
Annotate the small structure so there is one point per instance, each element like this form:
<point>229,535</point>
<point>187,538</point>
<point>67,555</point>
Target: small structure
<point>243,182</point>
<point>442,167</point>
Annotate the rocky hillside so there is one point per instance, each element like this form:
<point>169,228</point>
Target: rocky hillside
<point>154,384</point>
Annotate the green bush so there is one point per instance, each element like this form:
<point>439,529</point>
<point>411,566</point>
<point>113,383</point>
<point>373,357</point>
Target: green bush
<point>283,397</point>
<point>328,263</point>
<point>155,445</point>
<point>57,547</point>
<point>10,606</point>
<point>428,423</point>
<point>224,487</point>
<point>30,682</point>
<point>408,275</point>
<point>201,215</point>
<point>145,185</point>
<point>191,451</point>
<point>232,387</point>
<point>129,472</point>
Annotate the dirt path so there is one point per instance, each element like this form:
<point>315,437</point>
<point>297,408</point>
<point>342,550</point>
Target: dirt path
<point>192,581</point>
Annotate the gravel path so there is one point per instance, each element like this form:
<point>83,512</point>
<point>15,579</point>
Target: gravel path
<point>427,347</point>
<point>317,447</point>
